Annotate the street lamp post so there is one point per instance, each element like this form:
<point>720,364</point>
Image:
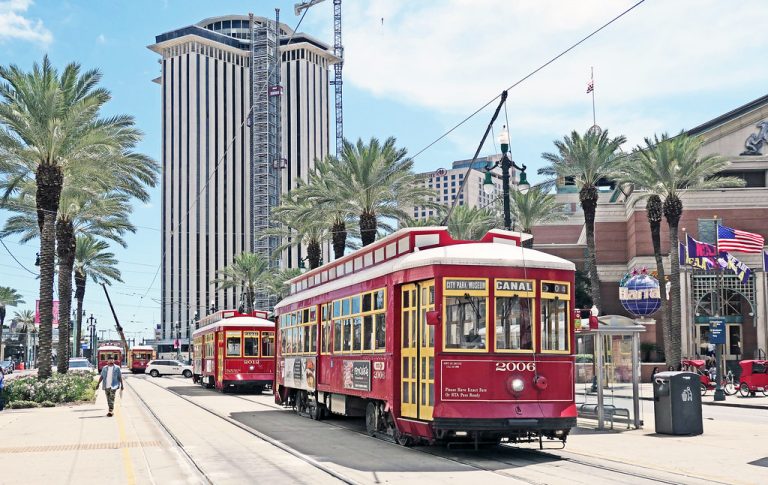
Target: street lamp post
<point>92,334</point>
<point>506,163</point>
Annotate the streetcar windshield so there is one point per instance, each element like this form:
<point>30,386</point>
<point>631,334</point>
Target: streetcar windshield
<point>514,329</point>
<point>465,326</point>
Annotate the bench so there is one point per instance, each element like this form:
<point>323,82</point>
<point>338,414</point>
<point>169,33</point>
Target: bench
<point>609,411</point>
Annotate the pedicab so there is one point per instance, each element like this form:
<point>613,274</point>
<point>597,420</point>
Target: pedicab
<point>754,377</point>
<point>708,382</point>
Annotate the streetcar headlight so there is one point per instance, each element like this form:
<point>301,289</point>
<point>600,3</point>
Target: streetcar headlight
<point>518,385</point>
<point>250,368</point>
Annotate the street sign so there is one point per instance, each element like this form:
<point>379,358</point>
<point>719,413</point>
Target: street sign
<point>176,344</point>
<point>84,346</point>
<point>717,330</point>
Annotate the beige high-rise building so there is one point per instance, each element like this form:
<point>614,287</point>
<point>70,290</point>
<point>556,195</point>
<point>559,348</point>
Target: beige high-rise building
<point>234,137</point>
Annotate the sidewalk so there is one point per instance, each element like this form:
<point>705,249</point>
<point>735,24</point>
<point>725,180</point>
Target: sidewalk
<point>759,401</point>
<point>79,444</point>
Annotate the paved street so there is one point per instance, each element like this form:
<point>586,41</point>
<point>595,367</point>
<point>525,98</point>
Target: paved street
<point>196,435</point>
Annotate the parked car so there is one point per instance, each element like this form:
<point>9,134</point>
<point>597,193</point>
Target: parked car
<point>7,366</point>
<point>79,364</point>
<point>157,368</point>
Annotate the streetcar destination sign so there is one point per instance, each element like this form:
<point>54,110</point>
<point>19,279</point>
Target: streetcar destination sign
<point>465,284</point>
<point>514,285</point>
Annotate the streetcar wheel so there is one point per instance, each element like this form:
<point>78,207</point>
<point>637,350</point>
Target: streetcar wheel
<point>703,389</point>
<point>371,419</point>
<point>744,389</point>
<point>187,374</point>
<point>154,373</point>
<point>729,389</point>
<point>316,411</point>
<point>403,439</point>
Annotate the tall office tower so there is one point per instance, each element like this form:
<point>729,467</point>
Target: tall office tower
<point>233,139</point>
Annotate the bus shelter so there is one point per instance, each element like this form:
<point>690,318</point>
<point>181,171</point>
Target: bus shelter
<point>610,356</point>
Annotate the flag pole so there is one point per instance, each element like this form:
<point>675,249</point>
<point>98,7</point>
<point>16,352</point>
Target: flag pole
<point>592,78</point>
<point>719,393</point>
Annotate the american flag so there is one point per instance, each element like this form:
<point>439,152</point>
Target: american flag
<point>729,239</point>
<point>590,86</point>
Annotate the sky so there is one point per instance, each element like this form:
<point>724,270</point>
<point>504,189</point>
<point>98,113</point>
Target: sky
<point>414,70</point>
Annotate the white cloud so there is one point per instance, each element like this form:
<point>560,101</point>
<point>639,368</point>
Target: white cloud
<point>14,25</point>
<point>101,39</point>
<point>453,56</point>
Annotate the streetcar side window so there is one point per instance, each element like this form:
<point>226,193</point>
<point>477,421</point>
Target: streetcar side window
<point>337,336</point>
<point>326,345</point>
<point>250,344</point>
<point>267,344</point>
<point>381,331</point>
<point>368,343</point>
<point>233,343</point>
<point>514,323</point>
<point>465,322</point>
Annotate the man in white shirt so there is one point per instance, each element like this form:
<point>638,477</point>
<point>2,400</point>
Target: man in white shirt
<point>113,380</point>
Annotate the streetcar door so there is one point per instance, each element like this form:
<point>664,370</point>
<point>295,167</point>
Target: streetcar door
<point>417,397</point>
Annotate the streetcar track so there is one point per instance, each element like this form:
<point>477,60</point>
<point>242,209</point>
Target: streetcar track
<point>170,434</point>
<point>533,454</point>
<point>309,460</point>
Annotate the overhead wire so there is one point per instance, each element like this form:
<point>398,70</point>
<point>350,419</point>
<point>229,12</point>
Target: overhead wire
<point>529,75</point>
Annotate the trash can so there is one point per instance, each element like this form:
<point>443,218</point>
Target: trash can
<point>677,403</point>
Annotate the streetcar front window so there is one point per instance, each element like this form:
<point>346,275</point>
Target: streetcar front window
<point>514,327</point>
<point>267,344</point>
<point>233,344</point>
<point>554,325</point>
<point>465,322</point>
<point>250,344</point>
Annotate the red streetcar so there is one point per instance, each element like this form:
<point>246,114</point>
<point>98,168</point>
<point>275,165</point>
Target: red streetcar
<point>434,339</point>
<point>139,356</point>
<point>106,352</point>
<point>234,350</point>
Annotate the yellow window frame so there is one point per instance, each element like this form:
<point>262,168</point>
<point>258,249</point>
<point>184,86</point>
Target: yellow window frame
<point>553,296</point>
<point>251,334</point>
<point>460,293</point>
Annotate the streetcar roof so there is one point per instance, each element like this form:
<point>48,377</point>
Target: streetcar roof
<point>493,254</point>
<point>236,322</point>
<point>142,347</point>
<point>110,347</point>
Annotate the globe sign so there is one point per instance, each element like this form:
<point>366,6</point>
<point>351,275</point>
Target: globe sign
<point>640,295</point>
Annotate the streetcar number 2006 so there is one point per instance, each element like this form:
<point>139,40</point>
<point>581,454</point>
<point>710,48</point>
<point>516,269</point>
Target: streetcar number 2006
<point>515,366</point>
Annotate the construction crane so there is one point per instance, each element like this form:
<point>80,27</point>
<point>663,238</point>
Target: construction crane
<point>117,323</point>
<point>338,51</point>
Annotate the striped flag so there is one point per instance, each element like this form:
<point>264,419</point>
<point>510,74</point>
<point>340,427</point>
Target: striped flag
<point>729,239</point>
<point>590,86</point>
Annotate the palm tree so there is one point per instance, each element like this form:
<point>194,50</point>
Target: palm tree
<point>535,206</point>
<point>471,223</point>
<point>587,159</point>
<point>91,260</point>
<point>338,211</point>
<point>50,121</point>
<point>247,273</point>
<point>668,167</point>
<point>81,211</point>
<point>25,324</point>
<point>276,284</point>
<point>376,181</point>
<point>8,297</point>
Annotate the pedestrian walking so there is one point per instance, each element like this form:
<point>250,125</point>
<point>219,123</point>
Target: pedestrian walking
<point>2,383</point>
<point>113,380</point>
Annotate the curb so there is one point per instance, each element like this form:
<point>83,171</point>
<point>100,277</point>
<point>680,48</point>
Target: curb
<point>708,403</point>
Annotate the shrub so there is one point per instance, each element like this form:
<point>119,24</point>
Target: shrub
<point>23,405</point>
<point>584,358</point>
<point>59,388</point>
<point>48,404</point>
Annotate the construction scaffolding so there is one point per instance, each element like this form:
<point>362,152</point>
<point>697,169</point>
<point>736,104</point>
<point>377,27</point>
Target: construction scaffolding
<point>265,138</point>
